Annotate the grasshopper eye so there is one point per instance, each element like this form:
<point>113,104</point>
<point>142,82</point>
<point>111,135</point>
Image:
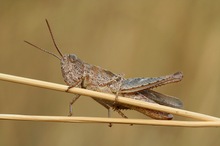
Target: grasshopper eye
<point>72,58</point>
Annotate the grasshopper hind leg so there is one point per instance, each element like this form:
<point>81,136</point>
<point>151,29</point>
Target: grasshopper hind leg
<point>154,114</point>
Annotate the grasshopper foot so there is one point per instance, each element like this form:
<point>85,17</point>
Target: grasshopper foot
<point>109,115</point>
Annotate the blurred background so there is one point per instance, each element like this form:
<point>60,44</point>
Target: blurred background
<point>137,38</point>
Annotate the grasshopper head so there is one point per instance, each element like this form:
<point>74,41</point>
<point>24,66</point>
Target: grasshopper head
<point>70,60</point>
<point>72,68</point>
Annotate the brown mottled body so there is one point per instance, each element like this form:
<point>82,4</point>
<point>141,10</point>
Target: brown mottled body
<point>77,73</point>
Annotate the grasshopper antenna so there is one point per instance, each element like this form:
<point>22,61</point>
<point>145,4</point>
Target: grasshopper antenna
<point>51,34</point>
<point>43,50</point>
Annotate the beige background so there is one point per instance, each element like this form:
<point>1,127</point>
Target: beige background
<point>137,38</point>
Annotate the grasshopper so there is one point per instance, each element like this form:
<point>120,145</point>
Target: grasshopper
<point>77,73</point>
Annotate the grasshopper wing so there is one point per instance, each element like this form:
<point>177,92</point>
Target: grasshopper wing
<point>138,84</point>
<point>162,99</point>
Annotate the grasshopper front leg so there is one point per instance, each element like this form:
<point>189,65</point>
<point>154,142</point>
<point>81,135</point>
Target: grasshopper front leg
<point>76,96</point>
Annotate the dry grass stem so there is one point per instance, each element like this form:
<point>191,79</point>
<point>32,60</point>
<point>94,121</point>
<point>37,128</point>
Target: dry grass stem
<point>172,123</point>
<point>63,88</point>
